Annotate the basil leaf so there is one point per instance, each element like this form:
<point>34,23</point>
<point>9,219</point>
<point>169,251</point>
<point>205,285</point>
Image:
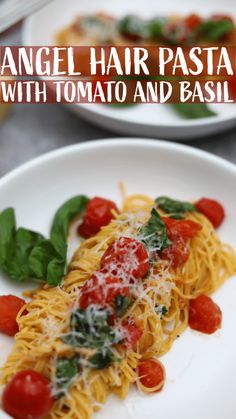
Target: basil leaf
<point>177,216</point>
<point>157,27</point>
<point>89,328</point>
<point>161,309</point>
<point>164,311</point>
<point>16,247</point>
<point>193,110</point>
<point>66,370</point>
<point>44,260</point>
<point>65,214</point>
<point>154,233</point>
<point>55,271</point>
<point>25,254</point>
<point>122,304</point>
<point>102,360</point>
<point>176,208</point>
<point>215,30</point>
<point>17,264</point>
<point>7,231</point>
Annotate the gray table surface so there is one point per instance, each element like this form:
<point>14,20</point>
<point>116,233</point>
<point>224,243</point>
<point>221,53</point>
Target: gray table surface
<point>31,130</point>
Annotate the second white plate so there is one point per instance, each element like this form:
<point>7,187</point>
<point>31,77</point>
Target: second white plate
<point>143,120</point>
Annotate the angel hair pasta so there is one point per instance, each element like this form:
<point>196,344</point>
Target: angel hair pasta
<point>135,283</point>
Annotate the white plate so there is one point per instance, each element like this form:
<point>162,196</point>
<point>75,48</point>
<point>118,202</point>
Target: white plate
<point>142,120</point>
<point>201,369</point>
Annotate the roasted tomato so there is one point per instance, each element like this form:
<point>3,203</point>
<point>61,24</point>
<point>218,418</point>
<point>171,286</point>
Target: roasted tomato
<point>179,231</point>
<point>184,229</point>
<point>132,334</point>
<point>212,209</point>
<point>128,255</point>
<point>27,396</point>
<point>98,214</point>
<point>102,289</point>
<point>10,305</point>
<point>192,22</point>
<point>177,253</point>
<point>204,315</point>
<point>151,374</point>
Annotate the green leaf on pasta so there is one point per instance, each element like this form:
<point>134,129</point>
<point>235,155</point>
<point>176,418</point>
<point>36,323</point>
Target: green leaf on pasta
<point>154,233</point>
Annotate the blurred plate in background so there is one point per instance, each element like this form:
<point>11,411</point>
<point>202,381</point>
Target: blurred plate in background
<point>145,119</point>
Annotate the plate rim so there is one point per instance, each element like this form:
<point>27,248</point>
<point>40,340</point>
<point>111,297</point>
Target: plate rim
<point>117,141</point>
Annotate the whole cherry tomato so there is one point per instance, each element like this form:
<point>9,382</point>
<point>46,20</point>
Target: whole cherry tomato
<point>212,209</point>
<point>204,315</point>
<point>27,396</point>
<point>10,305</point>
<point>151,374</point>
<point>98,214</point>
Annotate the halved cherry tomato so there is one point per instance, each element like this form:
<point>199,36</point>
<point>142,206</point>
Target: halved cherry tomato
<point>132,334</point>
<point>212,209</point>
<point>151,374</point>
<point>185,229</point>
<point>102,289</point>
<point>98,214</point>
<point>177,253</point>
<point>10,305</point>
<point>27,396</point>
<point>179,231</point>
<point>193,21</point>
<point>204,315</point>
<point>129,255</point>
